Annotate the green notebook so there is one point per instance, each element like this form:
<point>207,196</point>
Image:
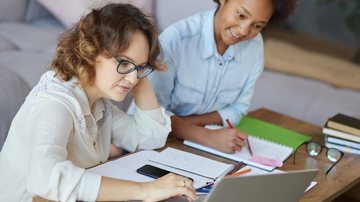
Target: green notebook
<point>272,132</point>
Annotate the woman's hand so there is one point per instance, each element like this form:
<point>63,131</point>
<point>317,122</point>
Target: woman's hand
<point>168,186</point>
<point>144,95</point>
<point>227,140</point>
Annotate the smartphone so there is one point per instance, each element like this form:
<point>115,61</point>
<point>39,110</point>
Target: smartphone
<point>152,171</point>
<point>155,172</point>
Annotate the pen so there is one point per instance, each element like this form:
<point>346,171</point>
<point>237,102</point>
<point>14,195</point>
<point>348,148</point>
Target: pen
<point>247,141</point>
<point>206,188</point>
<point>240,173</point>
<point>236,168</point>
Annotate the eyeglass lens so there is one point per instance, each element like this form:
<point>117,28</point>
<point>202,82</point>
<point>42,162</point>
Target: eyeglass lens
<point>314,149</point>
<point>333,155</point>
<point>125,67</point>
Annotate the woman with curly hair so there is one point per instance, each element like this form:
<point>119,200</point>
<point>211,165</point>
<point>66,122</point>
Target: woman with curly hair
<point>67,123</point>
<point>214,59</point>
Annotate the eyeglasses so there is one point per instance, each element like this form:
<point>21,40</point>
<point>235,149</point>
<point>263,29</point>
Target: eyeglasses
<point>314,149</point>
<point>126,67</point>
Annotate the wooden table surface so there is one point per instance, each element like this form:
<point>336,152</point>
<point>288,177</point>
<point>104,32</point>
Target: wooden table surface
<point>341,178</point>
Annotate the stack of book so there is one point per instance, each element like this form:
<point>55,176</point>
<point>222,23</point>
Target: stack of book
<point>343,132</point>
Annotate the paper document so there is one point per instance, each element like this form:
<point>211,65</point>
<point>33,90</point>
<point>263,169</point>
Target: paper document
<point>125,167</point>
<point>192,163</point>
<point>259,147</point>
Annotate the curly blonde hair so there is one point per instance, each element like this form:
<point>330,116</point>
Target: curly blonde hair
<point>106,31</point>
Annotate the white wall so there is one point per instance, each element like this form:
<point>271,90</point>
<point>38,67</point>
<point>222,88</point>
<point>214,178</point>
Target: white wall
<point>170,11</point>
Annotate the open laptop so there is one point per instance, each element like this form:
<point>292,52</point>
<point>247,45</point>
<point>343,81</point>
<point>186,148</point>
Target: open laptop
<point>279,187</point>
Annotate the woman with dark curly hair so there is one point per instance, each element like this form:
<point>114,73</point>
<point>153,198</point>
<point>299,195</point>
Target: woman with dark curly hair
<point>67,123</point>
<point>214,59</point>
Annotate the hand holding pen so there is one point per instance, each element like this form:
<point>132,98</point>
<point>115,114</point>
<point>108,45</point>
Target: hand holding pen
<point>247,140</point>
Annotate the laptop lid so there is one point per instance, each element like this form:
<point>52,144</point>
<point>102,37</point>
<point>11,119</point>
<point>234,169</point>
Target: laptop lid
<point>287,187</point>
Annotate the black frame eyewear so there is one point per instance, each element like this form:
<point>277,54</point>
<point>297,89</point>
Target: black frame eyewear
<point>320,146</point>
<point>142,71</point>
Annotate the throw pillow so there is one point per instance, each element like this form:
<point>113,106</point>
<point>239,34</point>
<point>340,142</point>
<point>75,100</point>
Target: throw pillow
<point>12,10</point>
<point>6,45</point>
<point>69,12</point>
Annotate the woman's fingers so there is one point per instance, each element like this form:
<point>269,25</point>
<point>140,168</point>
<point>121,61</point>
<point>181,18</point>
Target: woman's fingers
<point>189,192</point>
<point>185,187</point>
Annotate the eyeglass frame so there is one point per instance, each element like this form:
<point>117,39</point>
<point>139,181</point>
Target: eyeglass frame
<point>136,67</point>
<point>321,148</point>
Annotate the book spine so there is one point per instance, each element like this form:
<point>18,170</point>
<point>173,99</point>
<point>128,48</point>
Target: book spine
<point>339,134</point>
<point>343,142</point>
<point>344,128</point>
<point>343,148</point>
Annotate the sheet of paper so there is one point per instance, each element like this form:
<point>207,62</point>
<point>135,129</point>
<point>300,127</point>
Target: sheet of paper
<point>125,168</point>
<point>259,146</point>
<point>192,163</point>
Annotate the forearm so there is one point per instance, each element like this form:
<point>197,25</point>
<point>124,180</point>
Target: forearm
<point>144,95</point>
<point>189,131</point>
<point>120,190</point>
<point>204,119</point>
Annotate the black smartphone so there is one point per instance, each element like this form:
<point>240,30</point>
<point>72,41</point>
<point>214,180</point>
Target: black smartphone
<point>152,171</point>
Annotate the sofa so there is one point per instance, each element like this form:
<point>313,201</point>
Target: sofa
<point>29,30</point>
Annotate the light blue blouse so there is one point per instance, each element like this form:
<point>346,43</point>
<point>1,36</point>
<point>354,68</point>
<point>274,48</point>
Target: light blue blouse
<point>199,80</point>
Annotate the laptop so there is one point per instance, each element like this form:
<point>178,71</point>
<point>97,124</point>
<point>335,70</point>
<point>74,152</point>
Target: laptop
<point>278,187</point>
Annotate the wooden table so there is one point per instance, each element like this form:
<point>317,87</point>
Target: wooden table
<point>341,178</point>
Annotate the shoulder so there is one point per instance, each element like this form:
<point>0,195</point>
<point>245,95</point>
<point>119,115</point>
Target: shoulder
<point>66,92</point>
<point>186,28</point>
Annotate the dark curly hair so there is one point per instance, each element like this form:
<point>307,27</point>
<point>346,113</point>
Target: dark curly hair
<point>105,31</point>
<point>283,9</point>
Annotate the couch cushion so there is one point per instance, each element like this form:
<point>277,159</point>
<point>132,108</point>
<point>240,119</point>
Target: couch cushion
<point>6,44</point>
<point>28,65</point>
<point>12,10</point>
<point>35,11</point>
<point>28,37</point>
<point>13,91</point>
<point>69,12</point>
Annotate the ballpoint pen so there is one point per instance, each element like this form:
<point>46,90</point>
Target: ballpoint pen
<point>247,141</point>
<point>237,167</point>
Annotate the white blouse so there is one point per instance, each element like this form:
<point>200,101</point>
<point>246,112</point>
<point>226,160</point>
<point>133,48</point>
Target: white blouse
<point>55,136</point>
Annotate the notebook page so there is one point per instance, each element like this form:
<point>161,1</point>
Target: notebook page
<point>125,168</point>
<point>259,146</point>
<point>192,163</point>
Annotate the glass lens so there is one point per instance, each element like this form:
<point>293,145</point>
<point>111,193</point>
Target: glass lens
<point>313,148</point>
<point>143,71</point>
<point>125,67</point>
<point>333,155</point>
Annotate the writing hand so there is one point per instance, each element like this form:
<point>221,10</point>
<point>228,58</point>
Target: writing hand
<point>228,140</point>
